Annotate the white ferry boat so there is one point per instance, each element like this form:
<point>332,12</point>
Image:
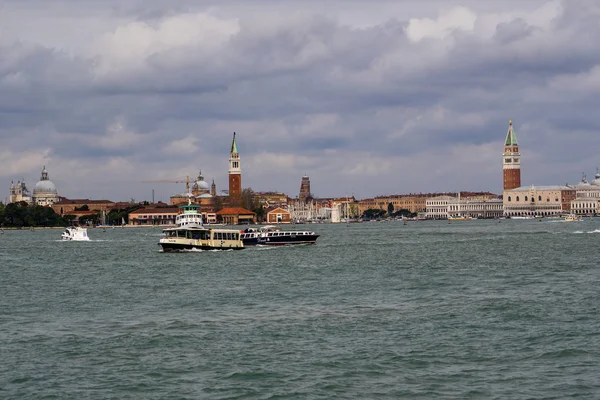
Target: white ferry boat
<point>572,218</point>
<point>460,218</point>
<point>190,234</point>
<point>75,233</point>
<point>271,235</point>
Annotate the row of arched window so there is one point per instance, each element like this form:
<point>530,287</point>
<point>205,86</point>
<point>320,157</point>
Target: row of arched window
<point>532,198</point>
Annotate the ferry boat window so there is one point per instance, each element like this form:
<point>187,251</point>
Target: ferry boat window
<point>181,234</point>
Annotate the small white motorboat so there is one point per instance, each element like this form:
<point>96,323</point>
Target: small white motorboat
<point>75,233</point>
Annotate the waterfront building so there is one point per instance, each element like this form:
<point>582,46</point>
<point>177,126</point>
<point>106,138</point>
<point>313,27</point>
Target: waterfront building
<point>437,207</point>
<point>587,197</point>
<point>278,216</point>
<point>305,194</point>
<point>235,175</point>
<point>302,211</point>
<point>538,201</point>
<point>70,206</point>
<point>475,207</point>
<point>44,193</point>
<point>415,203</point>
<point>153,216</point>
<point>19,192</point>
<point>236,215</point>
<point>511,160</point>
<point>270,199</point>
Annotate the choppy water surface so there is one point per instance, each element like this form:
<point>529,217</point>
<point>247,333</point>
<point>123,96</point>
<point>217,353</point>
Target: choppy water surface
<point>473,309</point>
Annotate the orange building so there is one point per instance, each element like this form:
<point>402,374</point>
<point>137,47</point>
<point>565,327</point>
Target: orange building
<point>278,216</point>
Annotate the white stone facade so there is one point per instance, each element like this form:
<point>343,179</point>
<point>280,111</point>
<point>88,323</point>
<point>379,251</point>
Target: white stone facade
<point>437,207</point>
<point>442,207</point>
<point>587,201</point>
<point>475,208</point>
<point>536,201</point>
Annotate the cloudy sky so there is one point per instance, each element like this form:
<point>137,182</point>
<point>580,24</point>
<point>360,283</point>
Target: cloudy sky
<point>365,97</point>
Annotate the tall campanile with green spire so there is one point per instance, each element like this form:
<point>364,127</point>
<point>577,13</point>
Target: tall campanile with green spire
<point>235,175</point>
<point>511,160</point>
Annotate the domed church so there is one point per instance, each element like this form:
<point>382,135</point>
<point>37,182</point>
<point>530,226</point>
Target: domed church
<point>44,193</point>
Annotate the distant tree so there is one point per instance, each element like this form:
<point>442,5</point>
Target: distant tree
<point>248,200</point>
<point>353,211</point>
<point>218,203</point>
<point>89,219</point>
<point>404,213</point>
<point>373,213</point>
<point>68,219</point>
<point>390,208</point>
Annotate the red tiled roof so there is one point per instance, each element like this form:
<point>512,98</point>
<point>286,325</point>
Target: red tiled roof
<point>275,209</point>
<point>235,211</point>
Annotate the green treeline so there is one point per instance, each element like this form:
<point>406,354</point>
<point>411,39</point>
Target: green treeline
<point>24,215</point>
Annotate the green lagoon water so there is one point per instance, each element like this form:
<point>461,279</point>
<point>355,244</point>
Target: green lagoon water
<point>473,309</point>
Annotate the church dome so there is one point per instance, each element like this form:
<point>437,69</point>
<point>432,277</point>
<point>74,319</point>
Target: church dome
<point>584,181</point>
<point>202,185</point>
<point>45,185</point>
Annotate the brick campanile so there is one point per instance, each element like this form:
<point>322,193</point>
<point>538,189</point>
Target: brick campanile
<point>511,160</point>
<point>235,175</point>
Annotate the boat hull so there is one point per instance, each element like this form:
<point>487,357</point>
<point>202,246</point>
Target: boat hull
<point>175,247</point>
<point>281,240</point>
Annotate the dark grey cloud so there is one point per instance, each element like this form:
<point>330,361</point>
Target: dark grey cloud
<point>416,98</point>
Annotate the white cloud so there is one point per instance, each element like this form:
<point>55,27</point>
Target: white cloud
<point>17,164</point>
<point>185,146</point>
<point>458,18</point>
<point>129,46</point>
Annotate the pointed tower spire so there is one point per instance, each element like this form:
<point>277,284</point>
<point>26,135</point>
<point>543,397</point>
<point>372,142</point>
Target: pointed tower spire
<point>511,160</point>
<point>235,175</point>
<point>234,149</point>
<point>511,138</point>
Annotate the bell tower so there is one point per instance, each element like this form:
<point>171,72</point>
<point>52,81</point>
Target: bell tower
<point>511,160</point>
<point>235,175</point>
